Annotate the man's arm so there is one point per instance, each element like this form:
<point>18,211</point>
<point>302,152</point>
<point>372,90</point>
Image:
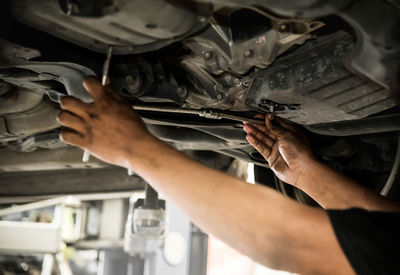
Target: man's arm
<point>289,155</point>
<point>256,220</point>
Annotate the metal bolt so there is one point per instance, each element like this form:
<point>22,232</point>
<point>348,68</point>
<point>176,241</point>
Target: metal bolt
<point>264,101</point>
<point>228,78</point>
<point>283,27</point>
<point>72,8</point>
<point>208,55</point>
<point>237,82</point>
<point>133,83</point>
<point>271,108</point>
<point>248,53</point>
<point>181,91</point>
<point>131,87</point>
<point>130,80</point>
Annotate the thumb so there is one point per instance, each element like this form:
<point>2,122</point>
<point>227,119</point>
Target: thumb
<point>94,87</point>
<point>285,124</point>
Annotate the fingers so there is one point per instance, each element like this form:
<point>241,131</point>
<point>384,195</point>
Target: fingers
<point>110,90</point>
<point>71,137</point>
<point>259,134</point>
<point>75,106</point>
<point>261,147</point>
<point>273,127</point>
<point>94,88</point>
<point>72,121</point>
<point>285,124</point>
<point>268,125</point>
<point>262,129</point>
<point>260,116</point>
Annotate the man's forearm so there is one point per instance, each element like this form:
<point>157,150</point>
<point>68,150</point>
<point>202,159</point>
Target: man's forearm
<point>257,220</point>
<point>335,191</point>
<point>254,219</point>
<point>287,152</point>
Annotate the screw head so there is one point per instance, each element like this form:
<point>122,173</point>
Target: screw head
<point>237,82</point>
<point>283,27</point>
<point>248,53</point>
<point>133,83</point>
<point>130,80</point>
<point>72,8</point>
<point>207,55</point>
<point>181,91</point>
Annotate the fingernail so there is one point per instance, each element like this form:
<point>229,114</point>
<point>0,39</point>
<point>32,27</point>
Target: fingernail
<point>108,81</point>
<point>88,79</point>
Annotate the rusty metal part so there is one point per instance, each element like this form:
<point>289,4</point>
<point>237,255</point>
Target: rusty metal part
<point>219,47</point>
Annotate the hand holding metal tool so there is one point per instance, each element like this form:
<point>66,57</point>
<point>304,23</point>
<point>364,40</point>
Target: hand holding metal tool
<point>104,78</point>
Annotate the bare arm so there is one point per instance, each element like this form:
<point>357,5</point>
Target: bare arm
<point>289,155</point>
<point>335,191</point>
<point>255,220</point>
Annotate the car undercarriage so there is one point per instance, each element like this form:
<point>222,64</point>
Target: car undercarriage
<point>194,71</point>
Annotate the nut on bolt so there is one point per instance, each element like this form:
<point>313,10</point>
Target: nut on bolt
<point>202,19</point>
<point>208,55</point>
<point>130,80</point>
<point>237,82</point>
<point>133,83</point>
<point>284,27</point>
<point>248,53</point>
<point>181,91</point>
<point>72,8</point>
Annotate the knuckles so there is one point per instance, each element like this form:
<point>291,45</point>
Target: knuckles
<point>65,136</point>
<point>72,138</point>
<point>62,116</point>
<point>104,105</point>
<point>67,101</point>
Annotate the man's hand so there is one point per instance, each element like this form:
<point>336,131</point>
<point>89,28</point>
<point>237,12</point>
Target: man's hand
<point>284,147</point>
<point>109,128</point>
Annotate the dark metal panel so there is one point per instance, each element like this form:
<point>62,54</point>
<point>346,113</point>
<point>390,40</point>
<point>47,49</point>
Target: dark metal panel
<point>129,26</point>
<point>68,182</point>
<point>312,85</point>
